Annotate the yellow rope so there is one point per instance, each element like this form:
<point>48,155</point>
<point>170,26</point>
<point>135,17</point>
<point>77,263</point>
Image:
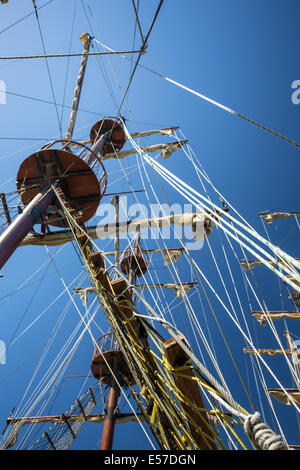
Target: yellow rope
<point>164,381</point>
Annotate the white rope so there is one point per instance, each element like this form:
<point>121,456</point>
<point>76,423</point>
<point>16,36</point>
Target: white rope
<point>92,337</point>
<point>217,220</point>
<point>261,436</point>
<point>189,308</point>
<point>248,228</point>
<point>40,392</point>
<point>249,341</point>
<point>209,100</point>
<point>177,183</point>
<point>190,155</point>
<point>152,312</point>
<point>224,392</point>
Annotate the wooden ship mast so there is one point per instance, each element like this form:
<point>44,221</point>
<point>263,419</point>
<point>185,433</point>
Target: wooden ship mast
<point>60,187</point>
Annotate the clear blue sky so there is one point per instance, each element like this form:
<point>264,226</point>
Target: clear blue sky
<point>242,54</point>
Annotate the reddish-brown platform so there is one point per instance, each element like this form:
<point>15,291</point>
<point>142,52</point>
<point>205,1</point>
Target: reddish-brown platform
<point>134,262</point>
<point>77,180</point>
<point>110,360</point>
<point>117,137</point>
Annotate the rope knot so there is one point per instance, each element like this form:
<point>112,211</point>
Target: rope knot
<point>261,436</point>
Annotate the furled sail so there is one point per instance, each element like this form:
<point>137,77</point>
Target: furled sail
<point>103,231</point>
<point>171,256</point>
<point>269,216</point>
<point>281,396</point>
<point>180,289</point>
<point>247,264</point>
<point>275,315</point>
<point>166,150</point>
<point>270,352</point>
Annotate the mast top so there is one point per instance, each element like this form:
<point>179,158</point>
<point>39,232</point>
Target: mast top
<point>85,38</point>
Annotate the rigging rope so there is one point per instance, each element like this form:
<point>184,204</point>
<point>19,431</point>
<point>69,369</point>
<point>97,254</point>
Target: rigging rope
<point>47,56</point>
<point>214,102</point>
<point>138,352</point>
<point>188,352</point>
<point>48,68</point>
<point>265,364</point>
<point>26,16</point>
<point>186,191</point>
<point>142,50</point>
<point>62,434</point>
<point>200,173</point>
<point>261,436</point>
<point>248,420</point>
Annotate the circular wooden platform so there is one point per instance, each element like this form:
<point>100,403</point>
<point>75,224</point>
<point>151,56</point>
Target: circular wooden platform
<point>107,362</point>
<point>77,180</point>
<point>117,136</point>
<point>134,262</point>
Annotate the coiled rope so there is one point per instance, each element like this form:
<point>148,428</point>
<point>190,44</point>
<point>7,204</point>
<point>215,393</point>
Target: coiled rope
<point>261,436</point>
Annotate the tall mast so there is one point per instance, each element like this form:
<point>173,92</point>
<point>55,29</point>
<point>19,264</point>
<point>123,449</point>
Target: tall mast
<point>60,188</point>
<point>18,229</point>
<point>109,422</point>
<point>131,266</point>
<point>42,170</point>
<point>116,202</point>
<point>52,167</point>
<point>109,367</point>
<point>86,41</point>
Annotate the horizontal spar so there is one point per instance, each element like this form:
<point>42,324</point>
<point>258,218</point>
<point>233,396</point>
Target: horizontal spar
<point>270,352</point>
<point>168,285</point>
<point>164,131</point>
<point>49,56</point>
<point>269,216</point>
<point>103,231</point>
<point>262,317</point>
<point>57,419</point>
<point>18,422</point>
<point>247,264</point>
<point>166,150</point>
<point>180,289</point>
<point>286,397</point>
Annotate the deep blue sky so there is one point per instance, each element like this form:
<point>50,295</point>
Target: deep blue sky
<point>242,54</point>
